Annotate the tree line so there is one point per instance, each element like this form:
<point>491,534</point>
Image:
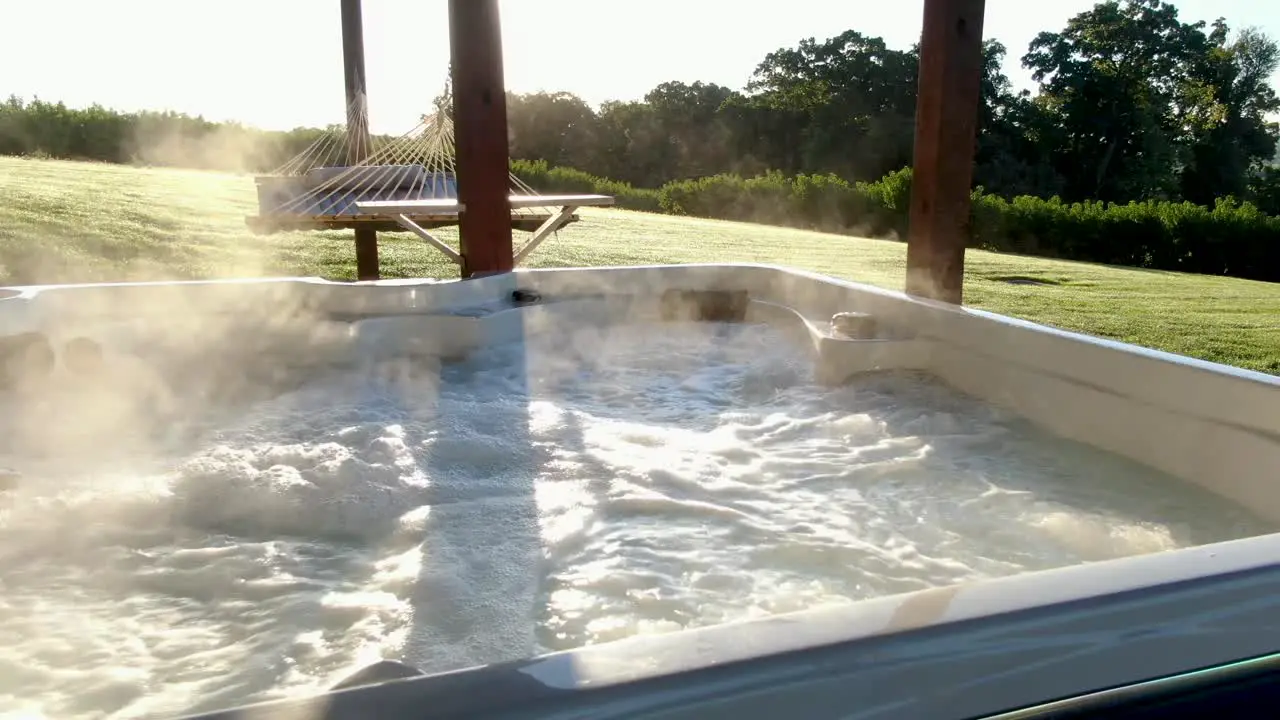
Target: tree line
<point>1147,141</point>
<point>40,128</point>
<point>1131,104</point>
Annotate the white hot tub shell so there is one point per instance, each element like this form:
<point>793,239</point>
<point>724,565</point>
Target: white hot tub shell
<point>956,652</point>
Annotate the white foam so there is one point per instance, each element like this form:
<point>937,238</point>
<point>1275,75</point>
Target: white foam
<point>542,496</point>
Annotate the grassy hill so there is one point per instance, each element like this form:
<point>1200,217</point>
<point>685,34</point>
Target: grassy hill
<point>66,222</point>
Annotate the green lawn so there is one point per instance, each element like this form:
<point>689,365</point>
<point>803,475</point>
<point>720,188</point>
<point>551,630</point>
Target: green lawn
<point>63,221</point>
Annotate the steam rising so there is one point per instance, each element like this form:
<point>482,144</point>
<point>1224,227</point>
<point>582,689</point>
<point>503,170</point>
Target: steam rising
<point>229,148</point>
<point>324,499</point>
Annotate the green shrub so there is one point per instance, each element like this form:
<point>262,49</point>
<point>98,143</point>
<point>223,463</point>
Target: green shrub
<point>1232,238</point>
<point>545,179</point>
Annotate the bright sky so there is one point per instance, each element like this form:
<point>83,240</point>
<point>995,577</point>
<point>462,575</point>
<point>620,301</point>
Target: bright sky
<point>278,63</point>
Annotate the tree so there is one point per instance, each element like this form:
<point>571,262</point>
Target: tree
<point>1236,138</point>
<point>689,119</point>
<point>1014,135</point>
<point>1119,81</point>
<point>846,105</point>
<point>557,127</point>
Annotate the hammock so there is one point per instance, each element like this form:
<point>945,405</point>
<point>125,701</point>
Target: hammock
<point>404,183</point>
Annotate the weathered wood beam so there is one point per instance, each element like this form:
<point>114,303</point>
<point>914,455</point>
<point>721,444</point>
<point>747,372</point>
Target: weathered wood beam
<point>358,125</point>
<point>480,127</point>
<point>946,135</point>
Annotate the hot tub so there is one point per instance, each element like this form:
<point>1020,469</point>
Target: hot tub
<point>691,491</point>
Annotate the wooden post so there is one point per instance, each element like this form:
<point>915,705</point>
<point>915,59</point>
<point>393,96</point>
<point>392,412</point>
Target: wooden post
<point>946,133</point>
<point>358,125</point>
<point>480,127</point>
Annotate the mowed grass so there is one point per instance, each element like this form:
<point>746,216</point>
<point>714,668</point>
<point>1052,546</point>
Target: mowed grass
<point>82,222</point>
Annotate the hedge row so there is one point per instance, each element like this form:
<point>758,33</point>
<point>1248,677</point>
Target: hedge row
<point>1231,238</point>
<point>546,179</point>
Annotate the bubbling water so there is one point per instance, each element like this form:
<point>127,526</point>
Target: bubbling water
<point>572,489</point>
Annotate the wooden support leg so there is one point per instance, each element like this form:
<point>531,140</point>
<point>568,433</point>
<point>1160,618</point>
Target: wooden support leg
<point>358,125</point>
<point>550,225</point>
<point>413,227</point>
<point>480,126</point>
<point>367,254</point>
<point>946,120</point>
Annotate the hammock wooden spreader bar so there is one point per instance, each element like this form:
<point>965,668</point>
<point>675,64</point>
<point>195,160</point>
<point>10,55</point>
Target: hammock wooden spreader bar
<point>402,210</point>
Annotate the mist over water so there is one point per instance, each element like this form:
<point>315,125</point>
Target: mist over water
<point>576,488</point>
